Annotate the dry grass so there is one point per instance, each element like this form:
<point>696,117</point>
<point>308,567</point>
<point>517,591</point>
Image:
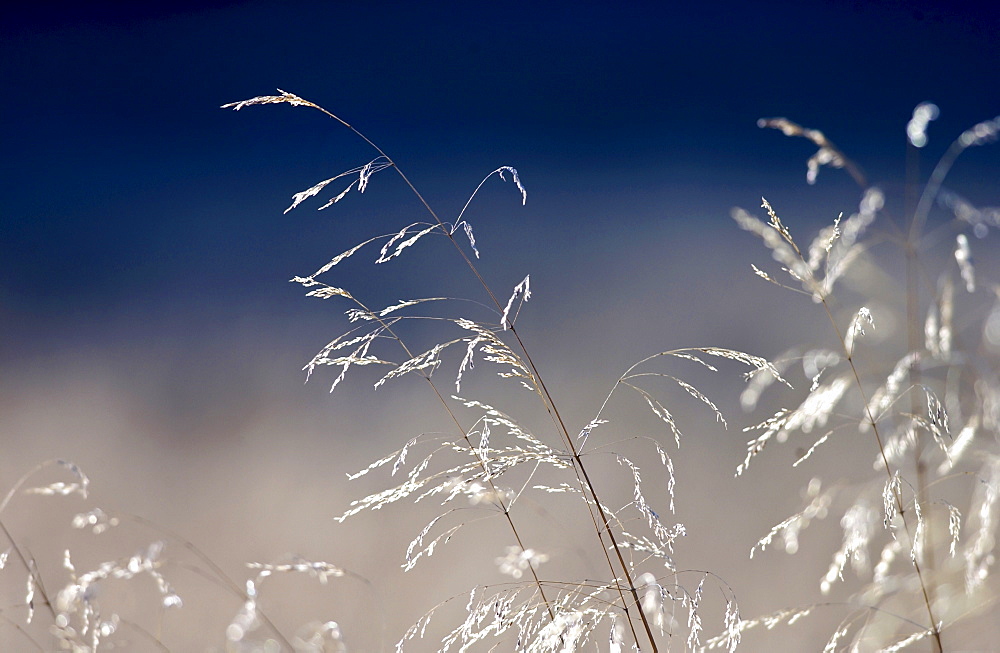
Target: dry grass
<point>560,506</point>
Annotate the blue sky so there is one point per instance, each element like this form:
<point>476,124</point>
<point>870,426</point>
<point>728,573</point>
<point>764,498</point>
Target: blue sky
<point>123,178</point>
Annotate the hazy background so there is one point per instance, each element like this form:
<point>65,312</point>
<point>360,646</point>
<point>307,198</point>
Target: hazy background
<point>149,333</point>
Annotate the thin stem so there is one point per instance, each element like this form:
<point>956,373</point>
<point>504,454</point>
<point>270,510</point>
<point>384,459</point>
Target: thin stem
<point>472,448</point>
<point>914,343</point>
<point>923,207</point>
<point>434,388</point>
<point>216,569</point>
<point>933,186</point>
<point>897,494</point>
<point>546,396</point>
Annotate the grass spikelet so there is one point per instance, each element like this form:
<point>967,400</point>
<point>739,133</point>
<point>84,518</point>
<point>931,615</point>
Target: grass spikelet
<point>963,256</point>
<point>79,486</point>
<point>916,129</point>
<point>954,527</point>
<point>979,218</point>
<point>697,394</point>
<point>522,290</point>
<point>831,644</point>
<point>321,571</point>
<point>857,328</point>
<point>819,504</point>
<point>361,183</point>
<point>959,446</point>
<point>891,490</point>
<point>758,363</point>
<point>812,449</point>
<point>334,261</point>
<point>773,426</point>
<point>660,411</point>
<point>401,244</point>
<point>907,641</point>
<point>694,618</point>
<point>783,249</point>
<point>429,360</point>
<point>734,633</point>
<point>661,532</point>
<point>858,531</point>
<point>827,154</point>
<point>978,552</point>
<point>413,553</point>
<point>284,98</point>
<point>496,351</point>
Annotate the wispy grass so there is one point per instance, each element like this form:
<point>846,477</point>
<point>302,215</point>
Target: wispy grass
<point>471,472</point>
<point>916,556</point>
<point>928,418</point>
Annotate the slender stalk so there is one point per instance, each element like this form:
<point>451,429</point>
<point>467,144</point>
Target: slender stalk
<point>228,582</point>
<point>548,401</point>
<point>870,418</point>
<point>29,564</point>
<point>504,507</point>
<point>912,336</point>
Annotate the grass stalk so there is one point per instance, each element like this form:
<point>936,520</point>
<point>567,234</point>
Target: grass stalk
<point>547,399</point>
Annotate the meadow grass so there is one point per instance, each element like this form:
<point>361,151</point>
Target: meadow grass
<point>925,397</point>
<point>527,483</point>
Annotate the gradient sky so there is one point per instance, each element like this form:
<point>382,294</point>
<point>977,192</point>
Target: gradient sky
<point>126,187</point>
<point>143,249</point>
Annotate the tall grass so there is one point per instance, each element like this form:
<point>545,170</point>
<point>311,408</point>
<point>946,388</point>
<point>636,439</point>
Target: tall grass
<point>491,463</point>
<point>922,401</point>
<point>539,493</point>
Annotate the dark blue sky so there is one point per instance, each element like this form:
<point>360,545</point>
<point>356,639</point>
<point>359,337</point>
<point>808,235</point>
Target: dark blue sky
<point>127,192</point>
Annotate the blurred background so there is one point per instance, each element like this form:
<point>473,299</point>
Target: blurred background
<point>150,335</point>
